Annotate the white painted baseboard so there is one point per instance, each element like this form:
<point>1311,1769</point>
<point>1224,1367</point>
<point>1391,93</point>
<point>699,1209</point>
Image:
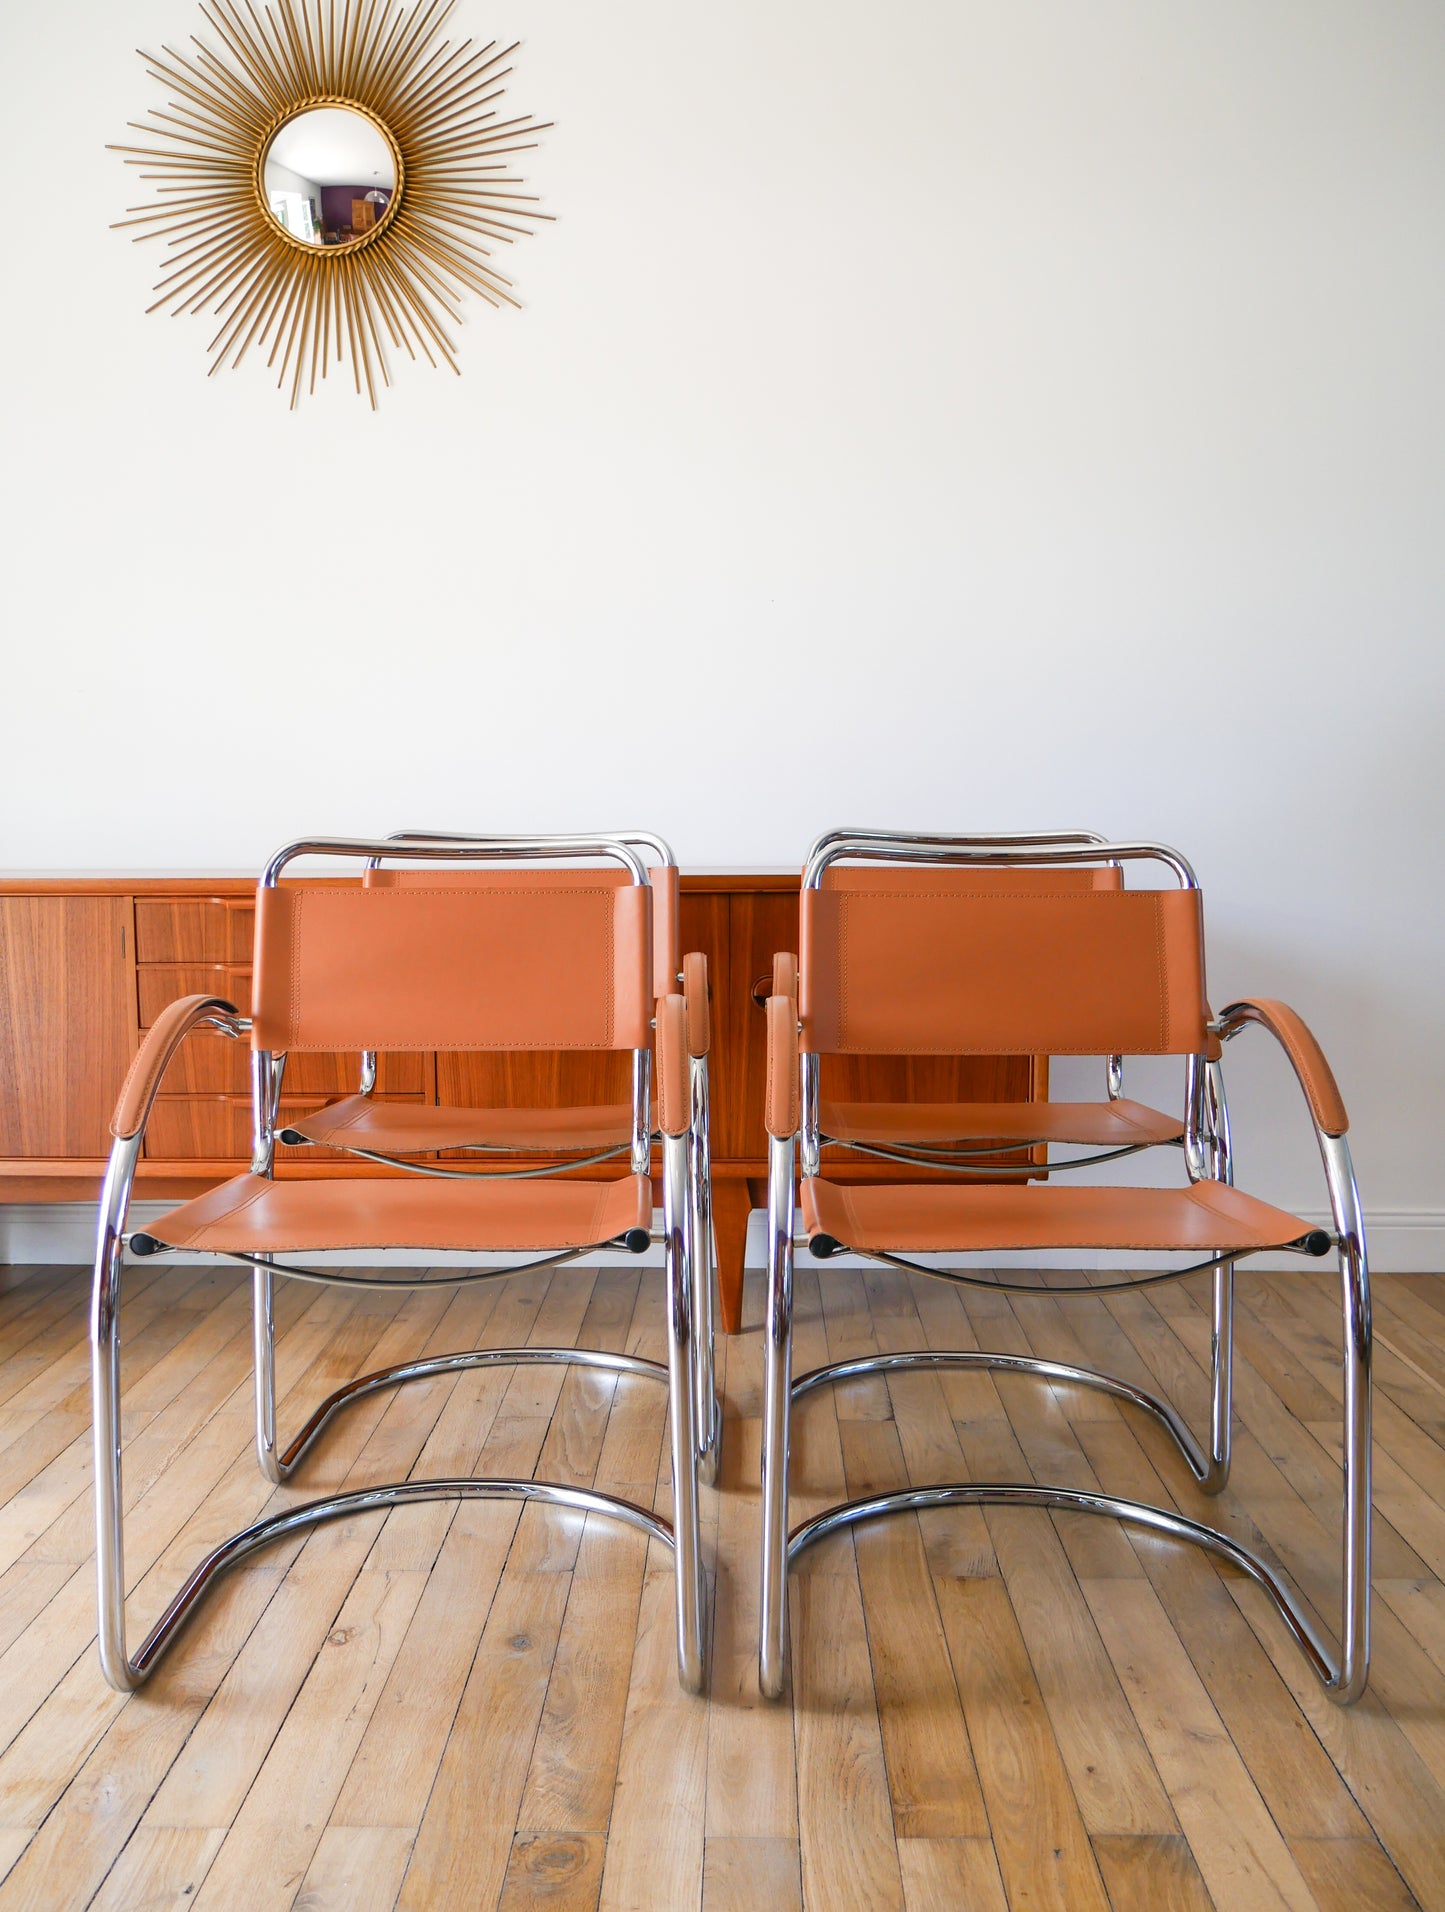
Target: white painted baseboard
<point>1403,1241</point>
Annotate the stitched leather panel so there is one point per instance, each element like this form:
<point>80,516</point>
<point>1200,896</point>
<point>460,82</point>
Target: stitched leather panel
<point>407,1128</point>
<point>946,970</point>
<point>251,1215</point>
<point>453,967</point>
<point>665,887</point>
<point>1203,1219</point>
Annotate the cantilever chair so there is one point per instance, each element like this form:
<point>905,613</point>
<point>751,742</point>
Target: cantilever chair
<point>940,960</point>
<point>396,1134</point>
<point>525,966</point>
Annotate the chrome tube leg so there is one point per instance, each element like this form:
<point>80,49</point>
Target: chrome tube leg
<point>263,1351</point>
<point>687,1543</point>
<point>1355,1308</point>
<point>105,1413</point>
<point>708,1431</point>
<point>1221,1364</point>
<point>777,1400</point>
<point>1221,1347</point>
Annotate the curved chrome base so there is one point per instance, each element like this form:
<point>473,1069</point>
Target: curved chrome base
<point>126,1675</point>
<point>991,1494</point>
<point>1210,1475</point>
<point>424,1370</point>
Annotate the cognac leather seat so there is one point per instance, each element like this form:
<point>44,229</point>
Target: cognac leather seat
<point>1205,1218</point>
<point>1120,1124</point>
<point>253,1215</point>
<point>409,1128</point>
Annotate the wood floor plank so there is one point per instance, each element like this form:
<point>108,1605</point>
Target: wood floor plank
<point>752,1791</point>
<point>655,1840</point>
<point>355,1869</point>
<point>844,1811</point>
<point>741,1874</point>
<point>560,1871</point>
<point>950,1872</point>
<point>160,1870</point>
<point>1353,1875</point>
<point>1149,1871</point>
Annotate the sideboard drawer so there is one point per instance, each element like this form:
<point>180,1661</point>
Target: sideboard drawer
<point>164,983</point>
<point>194,929</point>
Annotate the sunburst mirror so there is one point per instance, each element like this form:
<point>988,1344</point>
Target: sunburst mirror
<point>330,184</point>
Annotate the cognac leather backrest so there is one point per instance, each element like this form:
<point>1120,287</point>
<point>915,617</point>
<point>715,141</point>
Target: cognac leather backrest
<point>666,937</point>
<point>899,960</point>
<point>520,960</point>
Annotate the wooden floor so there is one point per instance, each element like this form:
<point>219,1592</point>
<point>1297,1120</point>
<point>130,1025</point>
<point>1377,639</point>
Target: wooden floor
<point>476,1707</point>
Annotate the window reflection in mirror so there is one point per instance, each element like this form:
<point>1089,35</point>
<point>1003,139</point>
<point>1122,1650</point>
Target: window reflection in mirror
<point>329,177</point>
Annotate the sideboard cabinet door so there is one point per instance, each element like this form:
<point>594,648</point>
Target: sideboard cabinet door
<point>67,1021</point>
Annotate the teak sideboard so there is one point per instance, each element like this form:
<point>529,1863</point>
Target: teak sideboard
<point>86,963</point>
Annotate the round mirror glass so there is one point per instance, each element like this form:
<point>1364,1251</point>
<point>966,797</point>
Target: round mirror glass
<point>329,177</point>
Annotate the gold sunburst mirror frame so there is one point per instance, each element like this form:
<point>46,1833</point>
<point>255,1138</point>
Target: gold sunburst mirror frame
<point>294,295</point>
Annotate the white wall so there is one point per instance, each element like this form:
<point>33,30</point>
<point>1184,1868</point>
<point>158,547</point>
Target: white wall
<point>1034,410</point>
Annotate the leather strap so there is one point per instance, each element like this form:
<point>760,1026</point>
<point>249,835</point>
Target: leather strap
<point>694,994</point>
<point>785,975</point>
<point>162,1039</point>
<point>1293,1034</point>
<point>673,1101</point>
<point>782,1015</point>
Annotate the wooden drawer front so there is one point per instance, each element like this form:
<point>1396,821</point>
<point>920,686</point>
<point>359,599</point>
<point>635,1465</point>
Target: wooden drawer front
<point>217,1128</point>
<point>163,983</point>
<point>193,929</point>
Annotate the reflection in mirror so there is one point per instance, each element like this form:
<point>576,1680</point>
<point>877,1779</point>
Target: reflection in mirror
<point>330,176</point>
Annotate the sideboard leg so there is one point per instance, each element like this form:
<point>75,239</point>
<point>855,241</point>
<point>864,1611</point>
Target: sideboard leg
<point>731,1204</point>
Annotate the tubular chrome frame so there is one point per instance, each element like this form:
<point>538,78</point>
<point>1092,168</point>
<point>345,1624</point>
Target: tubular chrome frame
<point>1343,1670</point>
<point>125,1672</point>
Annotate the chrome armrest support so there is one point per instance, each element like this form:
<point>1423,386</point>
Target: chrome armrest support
<point>1346,1681</point>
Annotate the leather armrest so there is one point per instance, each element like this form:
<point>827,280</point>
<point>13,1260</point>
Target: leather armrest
<point>674,1104</point>
<point>785,975</point>
<point>694,996</point>
<point>162,1039</point>
<point>1316,1078</point>
<point>782,1013</point>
